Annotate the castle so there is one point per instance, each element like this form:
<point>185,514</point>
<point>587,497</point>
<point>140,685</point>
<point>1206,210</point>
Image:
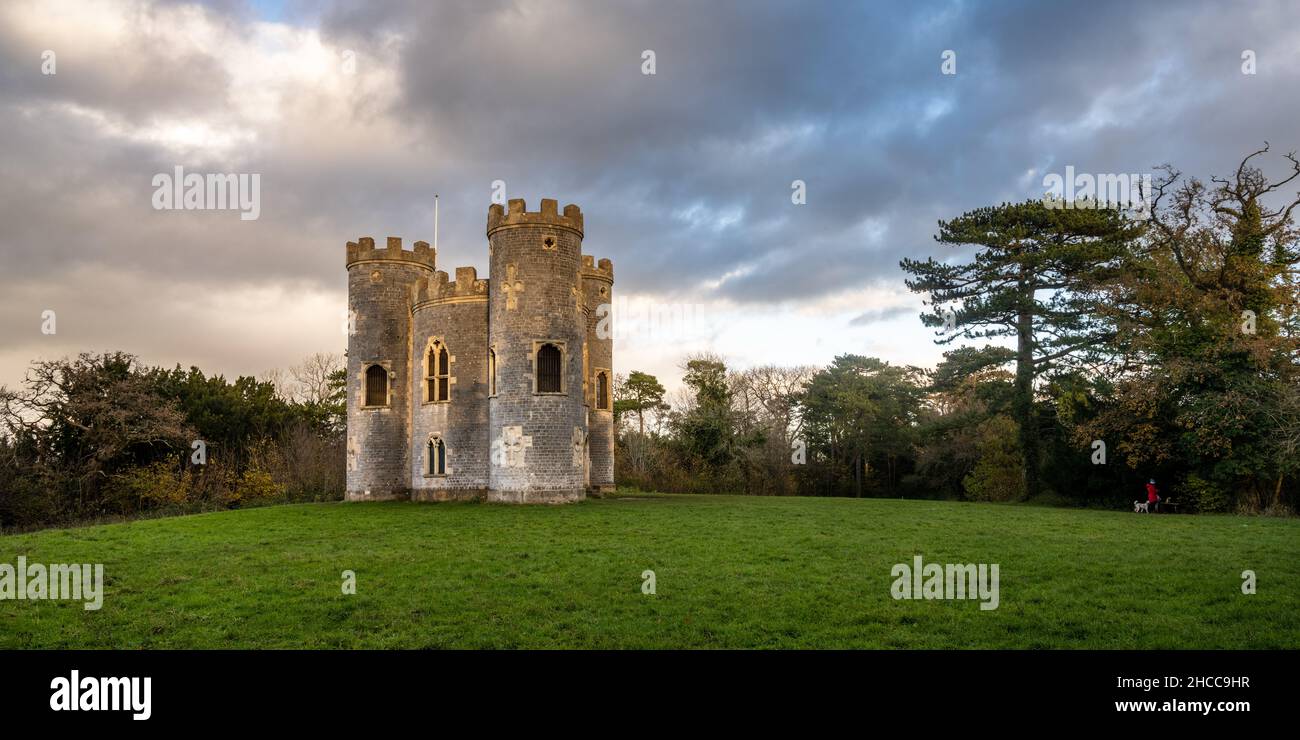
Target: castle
<point>493,389</point>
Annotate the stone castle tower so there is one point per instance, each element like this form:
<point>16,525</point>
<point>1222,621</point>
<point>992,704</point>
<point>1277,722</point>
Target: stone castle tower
<point>494,389</point>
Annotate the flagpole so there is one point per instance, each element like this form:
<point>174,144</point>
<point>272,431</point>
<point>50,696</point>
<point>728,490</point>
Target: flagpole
<point>435,223</point>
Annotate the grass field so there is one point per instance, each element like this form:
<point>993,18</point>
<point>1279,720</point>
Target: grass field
<point>731,572</point>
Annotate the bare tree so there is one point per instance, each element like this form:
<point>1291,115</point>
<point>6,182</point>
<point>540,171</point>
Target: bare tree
<point>312,376</point>
<point>279,379</point>
<point>775,392</point>
<point>309,380</point>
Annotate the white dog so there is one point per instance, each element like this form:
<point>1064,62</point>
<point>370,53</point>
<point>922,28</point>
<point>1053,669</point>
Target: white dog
<point>1140,507</point>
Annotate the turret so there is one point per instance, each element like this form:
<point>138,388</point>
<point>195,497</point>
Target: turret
<point>598,291</point>
<point>537,320</point>
<point>381,283</point>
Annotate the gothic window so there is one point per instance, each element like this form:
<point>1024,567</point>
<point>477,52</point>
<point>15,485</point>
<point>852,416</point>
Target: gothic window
<point>548,368</point>
<point>437,373</point>
<point>602,390</point>
<point>436,454</point>
<point>444,375</point>
<point>376,386</point>
<point>492,372</point>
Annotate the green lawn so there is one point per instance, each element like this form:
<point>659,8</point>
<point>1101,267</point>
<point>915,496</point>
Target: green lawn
<point>731,572</point>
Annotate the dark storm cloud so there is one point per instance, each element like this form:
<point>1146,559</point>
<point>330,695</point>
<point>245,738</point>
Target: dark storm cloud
<point>684,176</point>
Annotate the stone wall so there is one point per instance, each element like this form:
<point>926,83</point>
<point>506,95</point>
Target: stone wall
<point>454,314</point>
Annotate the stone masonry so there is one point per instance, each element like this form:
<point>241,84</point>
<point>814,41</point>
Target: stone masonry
<point>452,385</point>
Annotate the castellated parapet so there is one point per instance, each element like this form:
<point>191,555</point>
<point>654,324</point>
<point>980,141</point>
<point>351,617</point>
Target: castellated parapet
<point>364,250</point>
<point>474,388</point>
<point>516,214</point>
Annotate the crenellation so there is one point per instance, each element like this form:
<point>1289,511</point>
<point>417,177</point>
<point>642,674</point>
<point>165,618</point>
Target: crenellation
<point>467,281</point>
<point>467,286</point>
<point>364,250</point>
<point>602,270</point>
<point>516,213</point>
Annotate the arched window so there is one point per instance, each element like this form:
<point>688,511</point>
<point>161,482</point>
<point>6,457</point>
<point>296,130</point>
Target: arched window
<point>376,386</point>
<point>492,372</point>
<point>437,373</point>
<point>436,454</point>
<point>548,369</point>
<point>602,390</point>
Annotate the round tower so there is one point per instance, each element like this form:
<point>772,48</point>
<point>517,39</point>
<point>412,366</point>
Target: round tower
<point>449,411</point>
<point>380,288</point>
<point>537,330</point>
<point>598,290</point>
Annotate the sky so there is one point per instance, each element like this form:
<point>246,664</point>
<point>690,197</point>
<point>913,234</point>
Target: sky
<point>354,115</point>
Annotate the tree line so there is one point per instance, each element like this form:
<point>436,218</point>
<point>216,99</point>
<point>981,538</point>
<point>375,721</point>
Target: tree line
<point>101,436</point>
<point>1163,344</point>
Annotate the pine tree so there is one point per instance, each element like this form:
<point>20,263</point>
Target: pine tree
<point>1034,279</point>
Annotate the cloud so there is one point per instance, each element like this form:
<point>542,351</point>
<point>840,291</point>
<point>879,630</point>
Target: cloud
<point>684,176</point>
<point>881,314</point>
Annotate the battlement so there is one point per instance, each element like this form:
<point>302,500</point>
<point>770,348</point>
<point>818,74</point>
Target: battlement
<point>518,215</point>
<point>364,250</point>
<point>593,269</point>
<point>466,287</point>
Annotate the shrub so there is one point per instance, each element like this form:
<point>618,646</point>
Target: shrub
<point>147,487</point>
<point>997,475</point>
<point>257,486</point>
<point>1205,495</point>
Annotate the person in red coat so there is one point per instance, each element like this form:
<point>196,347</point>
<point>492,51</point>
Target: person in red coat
<point>1153,495</point>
